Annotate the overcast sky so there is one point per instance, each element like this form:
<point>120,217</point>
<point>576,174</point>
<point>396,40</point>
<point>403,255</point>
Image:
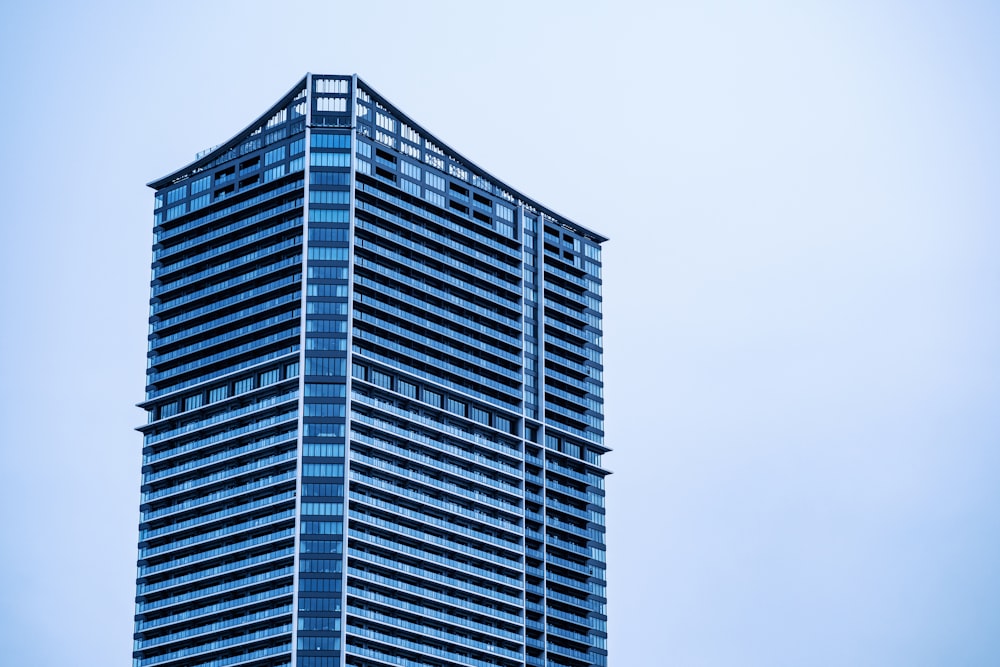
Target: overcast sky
<point>802,293</point>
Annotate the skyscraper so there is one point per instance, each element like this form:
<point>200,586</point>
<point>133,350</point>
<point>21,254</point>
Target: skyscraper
<point>374,397</point>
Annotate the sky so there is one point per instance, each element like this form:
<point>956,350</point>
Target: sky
<point>801,293</point>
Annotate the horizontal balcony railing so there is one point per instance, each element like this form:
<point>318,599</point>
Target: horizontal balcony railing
<point>220,475</point>
<point>400,490</point>
<point>409,587</point>
<point>426,371</point>
<point>213,420</point>
<point>189,559</point>
<point>219,607</point>
<point>226,513</point>
<point>450,350</point>
<point>227,531</point>
<point>188,652</point>
<point>164,234</point>
<point>460,282</point>
<point>225,338</point>
<point>431,612</point>
<point>466,304</point>
<point>463,229</point>
<point>216,288</point>
<point>219,322</point>
<point>484,498</point>
<point>437,577</point>
<point>439,559</point>
<point>252,241</point>
<point>363,296</point>
<point>511,389</point>
<point>274,355</point>
<point>187,596</point>
<point>228,453</point>
<point>440,540</point>
<point>503,447</point>
<point>429,631</point>
<point>225,568</point>
<point>474,255</point>
<point>217,496</point>
<point>417,435</point>
<point>450,333</point>
<point>225,624</point>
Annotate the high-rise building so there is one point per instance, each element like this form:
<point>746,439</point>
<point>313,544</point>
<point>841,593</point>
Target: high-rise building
<point>374,402</point>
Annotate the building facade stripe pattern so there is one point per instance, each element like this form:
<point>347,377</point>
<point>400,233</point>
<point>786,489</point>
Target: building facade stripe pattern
<point>375,405</point>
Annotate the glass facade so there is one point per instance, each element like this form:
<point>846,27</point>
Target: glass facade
<point>375,405</point>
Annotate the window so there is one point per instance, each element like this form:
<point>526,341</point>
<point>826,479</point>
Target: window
<point>324,509</point>
<point>277,135</point>
<point>329,196</point>
<point>201,202</point>
<point>324,289</point>
<point>274,173</point>
<point>325,585</point>
<point>381,379</point>
<point>275,155</point>
<point>502,423</point>
<point>328,272</point>
<point>329,178</point>
<point>479,415</point>
<point>201,184</point>
<point>434,161</point>
<point>323,489</point>
<point>330,366</point>
<point>329,215</point>
<point>434,181</point>
<point>432,398</point>
<point>326,326</point>
<point>176,211</point>
<point>328,623</point>
<point>321,546</point>
<point>318,643</point>
<point>269,377</point>
<point>410,187</point>
<point>330,140</point>
<point>177,194</point>
<point>455,406</point>
<point>409,133</point>
<point>277,119</point>
<point>325,390</point>
<point>329,344</point>
<point>333,254</point>
<point>331,104</point>
<point>322,470</point>
<point>318,604</point>
<point>324,410</point>
<point>385,122</point>
<point>330,85</point>
<point>330,159</point>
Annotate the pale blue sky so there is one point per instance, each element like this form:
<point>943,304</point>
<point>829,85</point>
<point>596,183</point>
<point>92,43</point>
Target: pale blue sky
<point>802,293</point>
